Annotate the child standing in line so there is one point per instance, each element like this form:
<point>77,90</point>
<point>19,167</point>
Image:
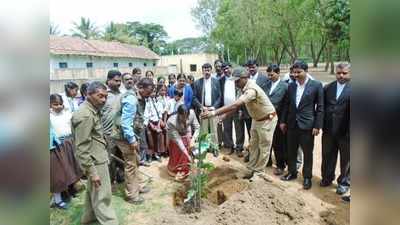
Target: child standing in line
<point>60,120</point>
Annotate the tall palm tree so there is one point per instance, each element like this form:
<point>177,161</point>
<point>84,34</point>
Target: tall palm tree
<point>85,29</point>
<point>54,29</point>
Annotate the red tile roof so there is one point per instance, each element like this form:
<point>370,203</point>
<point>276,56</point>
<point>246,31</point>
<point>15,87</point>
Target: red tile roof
<point>77,46</point>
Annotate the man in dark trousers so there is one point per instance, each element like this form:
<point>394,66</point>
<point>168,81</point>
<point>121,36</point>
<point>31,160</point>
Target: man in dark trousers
<point>229,94</point>
<point>336,130</point>
<point>302,118</point>
<point>207,97</point>
<point>277,90</point>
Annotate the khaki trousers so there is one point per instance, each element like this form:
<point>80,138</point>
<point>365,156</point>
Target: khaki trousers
<point>132,180</point>
<point>210,126</point>
<point>261,135</point>
<point>98,201</point>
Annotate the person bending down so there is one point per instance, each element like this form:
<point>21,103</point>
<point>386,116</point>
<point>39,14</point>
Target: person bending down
<point>181,141</point>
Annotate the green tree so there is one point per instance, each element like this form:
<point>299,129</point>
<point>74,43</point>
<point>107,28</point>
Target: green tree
<point>150,35</point>
<point>85,29</point>
<point>187,46</point>
<point>336,17</point>
<point>119,32</point>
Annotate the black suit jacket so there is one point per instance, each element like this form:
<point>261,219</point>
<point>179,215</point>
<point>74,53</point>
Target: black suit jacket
<point>263,82</point>
<point>337,112</point>
<point>198,93</point>
<point>278,95</point>
<point>310,113</point>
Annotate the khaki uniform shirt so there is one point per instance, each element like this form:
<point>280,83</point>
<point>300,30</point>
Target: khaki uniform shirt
<point>88,136</point>
<point>256,101</point>
<point>108,111</point>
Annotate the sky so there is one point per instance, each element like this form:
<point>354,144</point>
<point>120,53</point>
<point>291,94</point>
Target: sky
<point>173,15</point>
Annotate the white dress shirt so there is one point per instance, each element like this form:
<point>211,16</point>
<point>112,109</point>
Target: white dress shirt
<point>254,77</point>
<point>287,77</point>
<point>300,91</point>
<point>339,89</point>
<point>61,122</point>
<point>273,86</point>
<point>229,91</point>
<point>207,92</point>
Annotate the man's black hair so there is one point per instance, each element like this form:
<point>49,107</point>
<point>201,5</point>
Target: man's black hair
<point>113,73</point>
<point>217,61</point>
<point>206,65</point>
<point>226,64</point>
<point>94,86</point>
<point>251,62</point>
<point>181,75</point>
<point>136,70</point>
<point>299,64</point>
<point>274,68</point>
<point>145,82</point>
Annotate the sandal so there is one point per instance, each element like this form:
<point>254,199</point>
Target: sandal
<point>61,205</point>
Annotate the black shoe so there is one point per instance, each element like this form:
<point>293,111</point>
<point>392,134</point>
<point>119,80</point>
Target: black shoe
<point>269,163</point>
<point>232,150</point>
<point>325,183</point>
<point>307,183</point>
<point>289,176</point>
<point>346,198</point>
<point>341,189</point>
<point>157,158</point>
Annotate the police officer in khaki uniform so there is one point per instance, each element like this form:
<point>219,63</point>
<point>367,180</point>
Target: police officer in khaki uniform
<point>263,116</point>
<point>92,156</point>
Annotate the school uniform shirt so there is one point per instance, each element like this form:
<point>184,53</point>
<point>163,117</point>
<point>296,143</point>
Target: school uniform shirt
<point>70,104</point>
<point>152,111</point>
<point>61,123</point>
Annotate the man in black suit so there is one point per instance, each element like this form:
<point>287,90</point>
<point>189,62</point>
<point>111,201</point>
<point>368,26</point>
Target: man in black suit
<point>302,118</point>
<point>261,79</point>
<point>336,129</point>
<point>206,97</point>
<point>277,90</point>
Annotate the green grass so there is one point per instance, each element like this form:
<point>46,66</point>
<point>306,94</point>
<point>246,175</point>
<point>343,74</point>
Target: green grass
<point>72,215</point>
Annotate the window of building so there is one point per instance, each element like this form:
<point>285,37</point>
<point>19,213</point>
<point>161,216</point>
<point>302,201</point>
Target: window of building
<point>89,65</point>
<point>63,65</point>
<point>115,64</point>
<point>154,64</point>
<point>144,64</point>
<point>130,64</point>
<point>193,67</point>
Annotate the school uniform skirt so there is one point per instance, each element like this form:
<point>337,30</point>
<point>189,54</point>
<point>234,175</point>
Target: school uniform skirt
<point>64,169</point>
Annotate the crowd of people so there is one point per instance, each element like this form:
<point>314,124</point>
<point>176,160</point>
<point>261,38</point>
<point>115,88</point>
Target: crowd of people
<point>110,130</point>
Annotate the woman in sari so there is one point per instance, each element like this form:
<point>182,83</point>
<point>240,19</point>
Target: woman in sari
<point>181,141</point>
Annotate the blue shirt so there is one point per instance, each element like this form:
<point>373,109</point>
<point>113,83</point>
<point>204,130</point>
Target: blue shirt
<point>128,103</point>
<point>187,95</point>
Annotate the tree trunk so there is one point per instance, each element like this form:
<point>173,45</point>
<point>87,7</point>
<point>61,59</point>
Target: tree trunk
<point>314,58</point>
<point>320,51</point>
<point>281,55</point>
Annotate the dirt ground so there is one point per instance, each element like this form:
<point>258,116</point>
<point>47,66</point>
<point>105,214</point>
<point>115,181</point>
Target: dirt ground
<point>231,200</point>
